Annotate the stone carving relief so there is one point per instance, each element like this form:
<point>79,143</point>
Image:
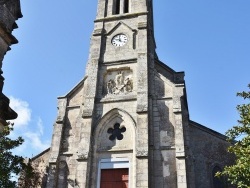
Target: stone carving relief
<point>82,155</point>
<point>118,82</point>
<point>141,152</point>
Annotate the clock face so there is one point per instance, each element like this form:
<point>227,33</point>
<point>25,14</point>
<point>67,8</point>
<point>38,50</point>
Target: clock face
<point>119,40</point>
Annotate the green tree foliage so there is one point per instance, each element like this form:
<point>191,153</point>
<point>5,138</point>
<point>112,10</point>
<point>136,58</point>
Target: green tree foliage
<point>30,177</point>
<point>239,173</point>
<point>10,165</point>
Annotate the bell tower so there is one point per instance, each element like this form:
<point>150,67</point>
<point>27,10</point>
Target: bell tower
<point>123,124</point>
<point>122,36</point>
<point>117,99</point>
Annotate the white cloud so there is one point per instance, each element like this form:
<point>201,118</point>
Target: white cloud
<point>40,126</point>
<point>23,111</point>
<point>29,128</point>
<point>35,138</point>
<point>35,141</point>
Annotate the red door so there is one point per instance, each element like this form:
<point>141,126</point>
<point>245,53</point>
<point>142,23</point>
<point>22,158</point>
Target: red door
<point>114,178</point>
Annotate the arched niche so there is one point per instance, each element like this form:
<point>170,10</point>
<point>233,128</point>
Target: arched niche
<point>115,132</point>
<point>218,182</point>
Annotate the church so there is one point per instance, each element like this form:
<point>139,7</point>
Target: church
<point>126,124</point>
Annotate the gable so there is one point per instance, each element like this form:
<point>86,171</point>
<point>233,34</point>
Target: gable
<point>75,96</point>
<point>117,53</point>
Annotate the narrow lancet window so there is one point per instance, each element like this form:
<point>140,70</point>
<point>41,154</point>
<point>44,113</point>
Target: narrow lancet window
<point>116,7</point>
<point>126,6</point>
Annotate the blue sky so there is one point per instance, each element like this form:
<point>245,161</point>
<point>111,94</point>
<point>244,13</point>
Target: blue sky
<point>209,40</point>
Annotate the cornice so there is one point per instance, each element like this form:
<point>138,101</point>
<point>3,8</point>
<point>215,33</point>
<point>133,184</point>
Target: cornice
<point>120,17</point>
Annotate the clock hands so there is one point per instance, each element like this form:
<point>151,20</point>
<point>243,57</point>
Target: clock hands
<point>119,40</point>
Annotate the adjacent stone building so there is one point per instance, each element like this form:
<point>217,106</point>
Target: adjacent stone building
<point>126,124</point>
<point>9,12</point>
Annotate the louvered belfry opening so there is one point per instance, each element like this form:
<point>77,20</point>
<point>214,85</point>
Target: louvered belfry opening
<point>116,6</point>
<point>120,6</point>
<point>126,6</point>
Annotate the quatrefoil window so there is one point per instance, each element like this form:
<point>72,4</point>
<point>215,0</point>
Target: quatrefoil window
<point>116,132</point>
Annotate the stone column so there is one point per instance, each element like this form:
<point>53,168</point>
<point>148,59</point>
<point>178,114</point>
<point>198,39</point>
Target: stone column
<point>121,6</point>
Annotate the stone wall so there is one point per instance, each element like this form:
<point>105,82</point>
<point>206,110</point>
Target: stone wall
<point>41,163</point>
<point>209,150</point>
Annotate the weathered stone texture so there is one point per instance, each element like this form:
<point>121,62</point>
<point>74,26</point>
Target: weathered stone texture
<point>9,12</point>
<point>209,149</point>
<point>41,163</point>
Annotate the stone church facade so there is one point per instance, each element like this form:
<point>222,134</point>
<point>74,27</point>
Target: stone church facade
<point>126,124</point>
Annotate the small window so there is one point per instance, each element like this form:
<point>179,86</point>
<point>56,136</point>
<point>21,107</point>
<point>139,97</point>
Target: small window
<point>116,7</point>
<point>126,6</point>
